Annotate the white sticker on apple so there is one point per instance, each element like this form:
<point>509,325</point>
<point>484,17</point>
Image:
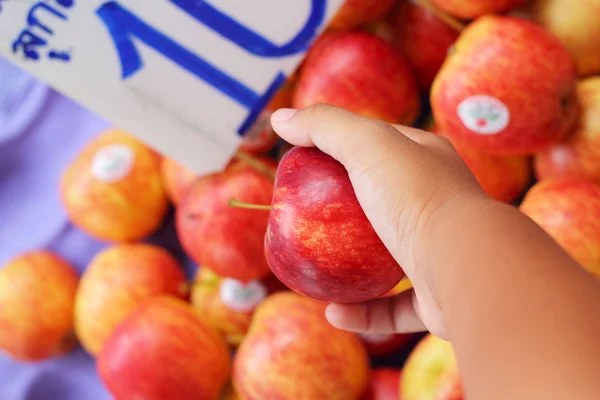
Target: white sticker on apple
<point>376,338</point>
<point>242,297</point>
<point>483,114</point>
<point>113,163</point>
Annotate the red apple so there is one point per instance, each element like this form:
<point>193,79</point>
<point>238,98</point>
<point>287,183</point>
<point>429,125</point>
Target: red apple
<point>362,73</point>
<point>424,39</point>
<point>575,23</point>
<point>292,352</point>
<point>37,294</point>
<point>319,241</point>
<point>176,179</point>
<point>115,282</point>
<point>359,12</point>
<point>164,351</point>
<point>431,372</point>
<point>569,210</point>
<point>384,385</point>
<point>579,155</point>
<point>507,89</point>
<point>470,9</point>
<point>227,240</point>
<point>384,344</point>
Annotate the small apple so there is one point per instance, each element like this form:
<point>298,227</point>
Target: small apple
<point>575,24</point>
<point>493,93</point>
<point>115,282</point>
<point>384,344</point>
<point>579,155</point>
<point>164,351</point>
<point>177,179</point>
<point>431,372</point>
<point>227,240</point>
<point>355,13</point>
<point>319,241</point>
<point>470,9</point>
<point>292,352</point>
<point>227,304</point>
<point>569,211</point>
<point>362,73</point>
<point>424,39</point>
<point>37,293</point>
<point>113,190</point>
<point>384,385</point>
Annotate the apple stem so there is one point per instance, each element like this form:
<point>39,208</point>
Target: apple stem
<point>240,204</point>
<point>448,19</point>
<point>254,163</point>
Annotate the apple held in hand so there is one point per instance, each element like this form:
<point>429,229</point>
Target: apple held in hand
<point>431,372</point>
<point>359,12</point>
<point>115,282</point>
<point>362,73</point>
<point>37,294</point>
<point>227,240</point>
<point>579,155</point>
<point>384,385</point>
<point>470,9</point>
<point>113,190</point>
<point>569,211</point>
<point>508,88</point>
<point>575,23</point>
<point>164,351</point>
<point>423,38</point>
<point>319,241</point>
<point>292,352</point>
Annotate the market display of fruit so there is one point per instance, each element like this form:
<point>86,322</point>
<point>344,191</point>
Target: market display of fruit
<point>279,232</point>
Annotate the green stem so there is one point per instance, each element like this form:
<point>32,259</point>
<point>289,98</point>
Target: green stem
<point>240,204</point>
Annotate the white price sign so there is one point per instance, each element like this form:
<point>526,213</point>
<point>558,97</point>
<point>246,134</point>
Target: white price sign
<point>188,77</point>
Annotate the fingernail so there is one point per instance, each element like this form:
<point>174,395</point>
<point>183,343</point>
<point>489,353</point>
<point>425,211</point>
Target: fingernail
<point>283,114</point>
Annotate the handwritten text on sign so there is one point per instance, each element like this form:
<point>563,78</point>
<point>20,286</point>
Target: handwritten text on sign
<point>187,76</point>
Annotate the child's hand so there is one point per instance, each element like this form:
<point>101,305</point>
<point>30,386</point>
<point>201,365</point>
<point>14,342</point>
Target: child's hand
<point>404,179</point>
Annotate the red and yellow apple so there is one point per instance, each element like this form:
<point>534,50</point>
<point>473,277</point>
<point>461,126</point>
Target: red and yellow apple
<point>355,13</point>
<point>37,295</point>
<point>227,304</point>
<point>319,241</point>
<point>508,88</point>
<point>113,189</point>
<point>362,73</point>
<point>115,282</point>
<point>470,9</point>
<point>423,38</point>
<point>227,240</point>
<point>177,179</point>
<point>384,385</point>
<point>431,372</point>
<point>164,351</point>
<point>575,23</point>
<point>292,352</point>
<point>579,155</point>
<point>569,211</point>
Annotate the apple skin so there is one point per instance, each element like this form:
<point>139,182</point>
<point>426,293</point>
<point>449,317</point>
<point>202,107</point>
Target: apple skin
<point>575,23</point>
<point>208,302</point>
<point>470,9</point>
<point>384,385</point>
<point>292,352</point>
<point>177,180</point>
<point>569,211</point>
<point>431,372</point>
<point>530,108</point>
<point>123,204</point>
<point>579,155</point>
<point>164,351</point>
<point>227,240</point>
<point>319,241</point>
<point>355,13</point>
<point>115,282</point>
<point>37,295</point>
<point>362,73</point>
<point>423,38</point>
<point>381,345</point>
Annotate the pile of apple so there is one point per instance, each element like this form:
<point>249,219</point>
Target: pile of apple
<point>279,233</point>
